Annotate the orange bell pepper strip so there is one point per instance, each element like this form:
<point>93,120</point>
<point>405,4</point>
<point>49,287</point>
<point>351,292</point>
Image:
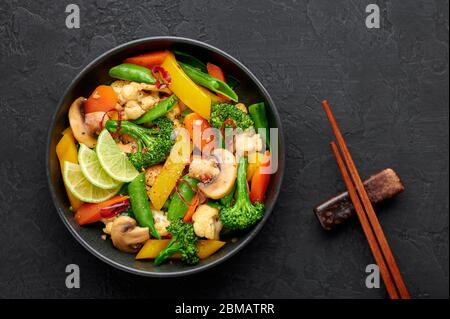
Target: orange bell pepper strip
<point>185,89</point>
<point>103,99</point>
<point>216,72</point>
<point>90,213</point>
<point>148,60</point>
<point>196,124</point>
<point>66,150</point>
<point>260,181</point>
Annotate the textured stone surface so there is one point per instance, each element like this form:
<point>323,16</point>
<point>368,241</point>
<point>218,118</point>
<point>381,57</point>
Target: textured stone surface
<point>389,89</point>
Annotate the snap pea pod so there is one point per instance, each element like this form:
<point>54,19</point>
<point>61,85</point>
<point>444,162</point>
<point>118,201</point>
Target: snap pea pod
<point>258,113</point>
<point>140,205</point>
<point>177,207</point>
<point>191,60</point>
<point>209,82</point>
<point>132,72</point>
<point>159,110</point>
<point>196,63</point>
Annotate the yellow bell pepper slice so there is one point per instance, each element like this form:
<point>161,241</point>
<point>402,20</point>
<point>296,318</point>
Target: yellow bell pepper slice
<point>254,162</point>
<point>66,150</point>
<point>185,89</point>
<point>153,247</point>
<point>171,171</point>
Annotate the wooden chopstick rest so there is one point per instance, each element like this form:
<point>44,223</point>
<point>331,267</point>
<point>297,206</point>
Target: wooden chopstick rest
<point>337,210</point>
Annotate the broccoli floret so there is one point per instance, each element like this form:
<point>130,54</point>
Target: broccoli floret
<point>224,111</point>
<point>154,144</point>
<point>243,213</point>
<point>183,241</point>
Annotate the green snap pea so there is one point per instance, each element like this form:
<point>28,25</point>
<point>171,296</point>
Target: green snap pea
<point>208,81</point>
<point>177,207</point>
<point>159,110</point>
<point>258,113</point>
<point>132,72</point>
<point>190,60</point>
<point>140,205</point>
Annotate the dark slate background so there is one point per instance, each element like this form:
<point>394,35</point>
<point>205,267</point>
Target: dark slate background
<point>389,88</point>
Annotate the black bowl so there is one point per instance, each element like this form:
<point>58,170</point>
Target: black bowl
<point>250,91</point>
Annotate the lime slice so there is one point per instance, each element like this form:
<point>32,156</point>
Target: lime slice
<point>81,188</point>
<point>93,170</point>
<point>113,160</point>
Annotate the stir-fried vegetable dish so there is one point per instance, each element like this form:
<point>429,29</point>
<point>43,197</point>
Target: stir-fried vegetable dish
<point>166,157</point>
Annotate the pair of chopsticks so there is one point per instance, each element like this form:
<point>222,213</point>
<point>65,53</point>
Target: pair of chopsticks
<point>379,246</point>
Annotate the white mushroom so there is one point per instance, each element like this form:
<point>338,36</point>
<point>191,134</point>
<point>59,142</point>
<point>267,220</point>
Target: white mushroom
<point>222,183</point>
<point>126,235</point>
<point>206,222</point>
<point>81,131</point>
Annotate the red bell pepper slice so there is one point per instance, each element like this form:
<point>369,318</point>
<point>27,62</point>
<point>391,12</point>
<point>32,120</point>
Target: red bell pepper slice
<point>260,181</point>
<point>90,213</point>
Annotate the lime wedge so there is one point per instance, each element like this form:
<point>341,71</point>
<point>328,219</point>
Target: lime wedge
<point>113,160</point>
<point>81,188</point>
<point>93,170</point>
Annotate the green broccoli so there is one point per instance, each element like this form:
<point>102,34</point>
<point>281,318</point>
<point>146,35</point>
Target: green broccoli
<point>154,144</point>
<point>183,241</point>
<point>243,213</point>
<point>222,112</point>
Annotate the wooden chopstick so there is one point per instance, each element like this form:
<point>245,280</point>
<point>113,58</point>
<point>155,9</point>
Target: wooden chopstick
<point>372,218</point>
<point>385,275</point>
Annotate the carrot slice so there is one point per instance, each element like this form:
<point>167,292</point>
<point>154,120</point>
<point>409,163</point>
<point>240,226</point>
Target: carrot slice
<point>191,210</point>
<point>148,60</point>
<point>103,99</point>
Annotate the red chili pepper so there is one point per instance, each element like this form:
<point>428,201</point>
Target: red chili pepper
<point>158,71</point>
<point>115,209</point>
<point>182,180</point>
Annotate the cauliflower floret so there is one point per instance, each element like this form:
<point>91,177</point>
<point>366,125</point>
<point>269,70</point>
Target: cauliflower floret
<point>204,169</point>
<point>242,107</point>
<point>129,92</point>
<point>118,85</point>
<point>161,222</point>
<point>206,222</point>
<point>248,142</point>
<point>148,101</point>
<point>133,110</point>
<point>174,112</point>
<point>151,174</point>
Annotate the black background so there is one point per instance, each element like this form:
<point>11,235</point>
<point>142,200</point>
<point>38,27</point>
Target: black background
<point>389,91</point>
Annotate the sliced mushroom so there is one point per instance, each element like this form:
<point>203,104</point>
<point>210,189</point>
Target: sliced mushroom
<point>81,131</point>
<point>222,184</point>
<point>126,235</point>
